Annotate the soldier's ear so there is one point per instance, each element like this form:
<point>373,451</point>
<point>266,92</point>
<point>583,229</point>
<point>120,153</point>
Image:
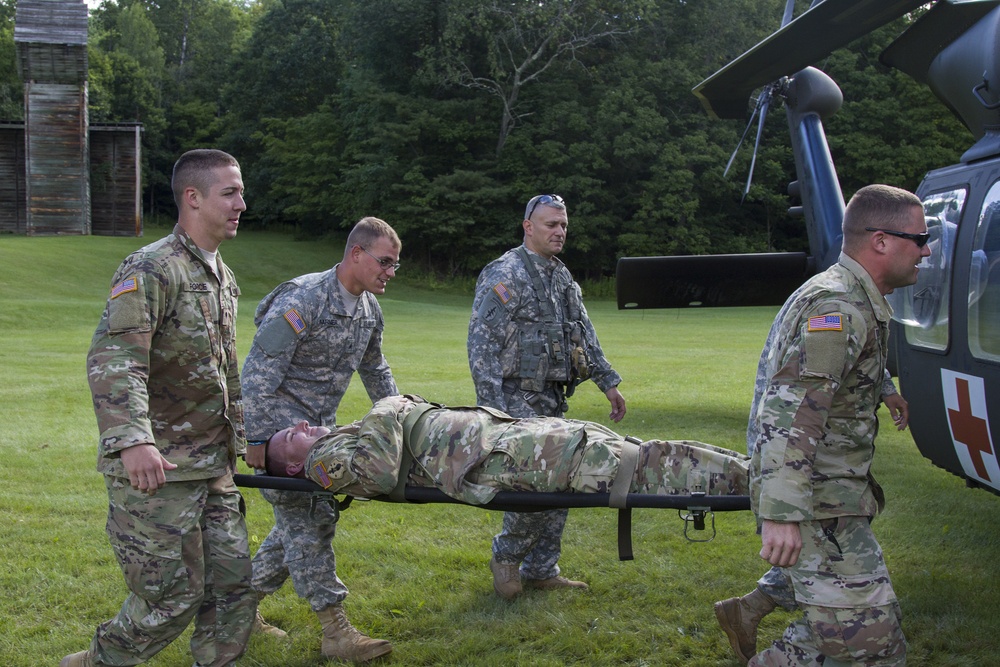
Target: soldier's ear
<point>295,469</point>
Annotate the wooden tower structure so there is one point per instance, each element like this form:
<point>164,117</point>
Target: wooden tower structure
<point>59,174</point>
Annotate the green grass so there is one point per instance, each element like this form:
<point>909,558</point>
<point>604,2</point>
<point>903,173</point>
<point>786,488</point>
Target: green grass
<point>418,574</point>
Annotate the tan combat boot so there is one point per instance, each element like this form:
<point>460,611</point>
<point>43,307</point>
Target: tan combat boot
<point>263,627</point>
<point>555,582</point>
<point>506,579</point>
<point>342,641</point>
<point>79,659</point>
<point>739,617</point>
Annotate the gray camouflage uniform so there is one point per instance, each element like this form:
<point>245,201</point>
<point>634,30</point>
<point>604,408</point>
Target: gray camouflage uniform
<point>816,428</point>
<point>305,351</point>
<point>515,370</point>
<point>163,369</point>
<point>472,453</point>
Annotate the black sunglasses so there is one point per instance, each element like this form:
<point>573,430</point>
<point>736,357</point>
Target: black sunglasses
<point>544,199</point>
<point>920,239</point>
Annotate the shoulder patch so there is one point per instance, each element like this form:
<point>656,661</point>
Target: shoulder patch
<point>501,291</point>
<point>295,320</point>
<point>832,322</point>
<point>319,470</point>
<point>130,284</point>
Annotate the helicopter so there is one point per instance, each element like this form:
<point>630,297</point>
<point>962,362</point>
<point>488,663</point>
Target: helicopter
<point>945,333</point>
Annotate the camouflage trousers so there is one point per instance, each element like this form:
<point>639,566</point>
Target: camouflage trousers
<point>533,539</point>
<point>185,556</point>
<point>850,615</point>
<point>299,546</point>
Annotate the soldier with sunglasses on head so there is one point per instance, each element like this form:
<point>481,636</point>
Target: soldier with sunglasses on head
<point>530,344</point>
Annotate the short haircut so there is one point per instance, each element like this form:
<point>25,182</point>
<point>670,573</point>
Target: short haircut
<point>194,169</point>
<point>369,230</point>
<point>552,201</point>
<point>880,206</point>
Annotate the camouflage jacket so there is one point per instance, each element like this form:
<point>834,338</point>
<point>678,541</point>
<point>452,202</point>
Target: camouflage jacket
<point>471,453</point>
<point>162,364</point>
<point>506,322</point>
<point>305,351</point>
<point>816,420</point>
<point>762,379</point>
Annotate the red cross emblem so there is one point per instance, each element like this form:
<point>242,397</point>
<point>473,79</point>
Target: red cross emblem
<point>965,403</point>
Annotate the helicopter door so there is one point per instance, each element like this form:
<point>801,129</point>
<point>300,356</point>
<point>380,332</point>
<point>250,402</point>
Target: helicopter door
<point>949,363</point>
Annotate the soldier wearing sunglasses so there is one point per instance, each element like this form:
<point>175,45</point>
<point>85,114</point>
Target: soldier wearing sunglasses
<point>530,344</point>
<point>813,427</point>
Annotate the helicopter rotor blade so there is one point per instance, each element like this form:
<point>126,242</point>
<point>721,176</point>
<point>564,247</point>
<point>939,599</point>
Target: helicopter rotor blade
<point>742,138</point>
<point>765,105</point>
<point>806,39</point>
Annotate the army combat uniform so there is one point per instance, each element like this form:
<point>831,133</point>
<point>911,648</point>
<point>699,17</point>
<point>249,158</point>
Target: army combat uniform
<point>310,340</point>
<point>472,453</point>
<point>774,583</point>
<point>817,425</point>
<point>163,369</point>
<point>530,338</point>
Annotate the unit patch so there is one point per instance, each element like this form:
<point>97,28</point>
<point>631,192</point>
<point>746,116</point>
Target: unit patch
<point>826,323</point>
<point>130,284</point>
<point>295,320</point>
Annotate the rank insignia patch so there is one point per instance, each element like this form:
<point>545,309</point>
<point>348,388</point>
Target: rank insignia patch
<point>826,323</point>
<point>501,291</point>
<point>124,287</point>
<point>294,319</point>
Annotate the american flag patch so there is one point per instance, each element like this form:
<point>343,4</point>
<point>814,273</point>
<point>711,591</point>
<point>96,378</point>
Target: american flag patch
<point>124,287</point>
<point>324,479</point>
<point>294,319</point>
<point>501,291</point>
<point>825,323</point>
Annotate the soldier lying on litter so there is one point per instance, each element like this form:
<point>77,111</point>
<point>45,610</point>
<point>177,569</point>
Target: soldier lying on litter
<point>472,453</point>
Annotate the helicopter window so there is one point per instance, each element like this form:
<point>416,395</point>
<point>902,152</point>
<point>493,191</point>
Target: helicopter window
<point>923,307</point>
<point>984,282</point>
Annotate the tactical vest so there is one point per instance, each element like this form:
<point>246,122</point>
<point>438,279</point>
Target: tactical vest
<point>553,350</point>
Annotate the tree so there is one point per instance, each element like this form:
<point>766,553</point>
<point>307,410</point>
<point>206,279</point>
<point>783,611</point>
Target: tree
<point>11,86</point>
<point>501,47</point>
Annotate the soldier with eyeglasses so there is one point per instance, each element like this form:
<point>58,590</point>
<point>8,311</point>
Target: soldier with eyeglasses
<point>313,333</point>
<point>530,344</point>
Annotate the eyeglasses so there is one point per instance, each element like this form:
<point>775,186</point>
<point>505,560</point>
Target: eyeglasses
<point>920,239</point>
<point>383,262</point>
<point>543,199</point>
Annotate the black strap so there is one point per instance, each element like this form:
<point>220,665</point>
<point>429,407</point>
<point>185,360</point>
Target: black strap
<point>544,298</point>
<point>410,431</point>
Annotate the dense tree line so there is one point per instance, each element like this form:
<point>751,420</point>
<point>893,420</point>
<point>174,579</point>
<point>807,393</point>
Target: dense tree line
<point>445,116</point>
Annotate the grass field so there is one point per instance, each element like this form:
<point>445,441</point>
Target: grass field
<point>418,574</point>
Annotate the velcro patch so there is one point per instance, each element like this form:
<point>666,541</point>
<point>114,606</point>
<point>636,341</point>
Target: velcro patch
<point>324,479</point>
<point>830,322</point>
<point>130,284</point>
<point>501,291</point>
<point>295,320</point>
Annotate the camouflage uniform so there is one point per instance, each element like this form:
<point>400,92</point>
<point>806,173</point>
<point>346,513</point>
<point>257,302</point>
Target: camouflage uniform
<point>774,583</point>
<point>816,429</point>
<point>307,347</point>
<point>472,453</point>
<point>163,369</point>
<point>514,371</point>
